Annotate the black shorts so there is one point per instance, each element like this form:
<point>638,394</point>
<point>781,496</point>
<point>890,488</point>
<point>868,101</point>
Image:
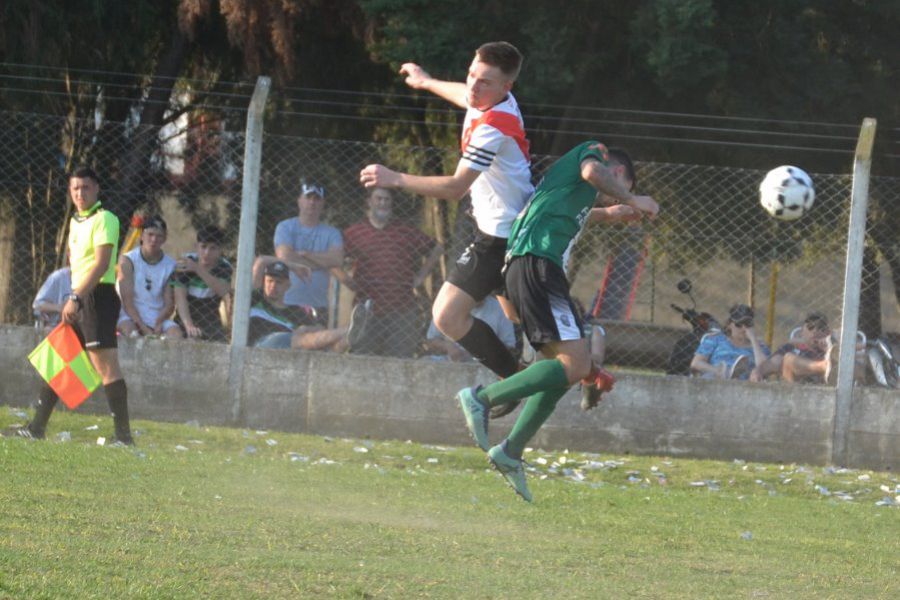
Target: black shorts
<point>478,269</point>
<point>539,290</point>
<point>99,315</point>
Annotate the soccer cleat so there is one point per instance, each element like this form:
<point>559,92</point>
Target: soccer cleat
<point>359,320</point>
<point>594,386</point>
<point>22,432</point>
<point>476,413</point>
<point>513,471</point>
<point>740,368</point>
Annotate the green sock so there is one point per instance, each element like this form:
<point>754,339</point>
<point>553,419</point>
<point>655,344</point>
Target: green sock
<point>542,375</point>
<point>537,409</point>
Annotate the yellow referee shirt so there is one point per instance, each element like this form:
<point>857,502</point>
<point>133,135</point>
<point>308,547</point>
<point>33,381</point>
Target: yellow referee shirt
<point>87,230</point>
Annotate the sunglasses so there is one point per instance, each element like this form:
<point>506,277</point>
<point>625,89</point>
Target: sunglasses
<point>744,323</point>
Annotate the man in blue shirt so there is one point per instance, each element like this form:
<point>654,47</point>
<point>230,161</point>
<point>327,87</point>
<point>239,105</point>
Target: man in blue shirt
<point>306,240</point>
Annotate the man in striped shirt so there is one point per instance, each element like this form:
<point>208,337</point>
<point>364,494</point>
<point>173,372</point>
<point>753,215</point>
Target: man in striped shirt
<point>495,169</point>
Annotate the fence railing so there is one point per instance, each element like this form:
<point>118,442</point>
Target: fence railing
<point>711,230</point>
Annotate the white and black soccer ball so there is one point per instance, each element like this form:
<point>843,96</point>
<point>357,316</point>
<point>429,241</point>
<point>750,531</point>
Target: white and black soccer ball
<point>787,193</point>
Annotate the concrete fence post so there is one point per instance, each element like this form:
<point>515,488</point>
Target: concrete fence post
<point>246,250</point>
<point>856,237</point>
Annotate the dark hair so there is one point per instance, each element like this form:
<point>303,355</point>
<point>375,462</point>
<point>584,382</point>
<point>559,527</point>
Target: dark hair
<point>502,55</point>
<point>156,222</point>
<point>84,173</point>
<point>817,322</point>
<point>210,234</point>
<point>620,157</point>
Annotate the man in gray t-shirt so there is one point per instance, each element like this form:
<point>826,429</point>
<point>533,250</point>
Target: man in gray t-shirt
<point>305,239</point>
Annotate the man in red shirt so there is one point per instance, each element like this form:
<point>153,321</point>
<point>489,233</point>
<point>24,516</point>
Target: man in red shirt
<point>390,262</point>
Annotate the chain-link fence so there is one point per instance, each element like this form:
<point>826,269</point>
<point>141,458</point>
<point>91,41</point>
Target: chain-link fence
<point>397,251</point>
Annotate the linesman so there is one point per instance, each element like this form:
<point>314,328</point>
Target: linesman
<point>93,306</point>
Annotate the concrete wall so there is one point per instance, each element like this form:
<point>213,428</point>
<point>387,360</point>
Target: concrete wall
<point>360,396</point>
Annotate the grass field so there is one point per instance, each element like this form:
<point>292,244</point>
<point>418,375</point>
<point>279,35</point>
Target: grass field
<point>230,513</point>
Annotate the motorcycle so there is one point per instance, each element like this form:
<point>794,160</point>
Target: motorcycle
<point>882,362</point>
<point>701,323</point>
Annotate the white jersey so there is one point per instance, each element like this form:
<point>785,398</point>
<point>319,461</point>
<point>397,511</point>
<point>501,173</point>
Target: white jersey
<point>150,282</point>
<point>494,143</point>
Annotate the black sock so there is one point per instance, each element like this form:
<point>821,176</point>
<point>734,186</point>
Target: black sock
<point>482,343</point>
<point>117,396</point>
<point>47,399</point>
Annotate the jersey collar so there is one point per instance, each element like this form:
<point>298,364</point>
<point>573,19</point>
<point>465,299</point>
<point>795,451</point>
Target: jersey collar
<point>82,215</point>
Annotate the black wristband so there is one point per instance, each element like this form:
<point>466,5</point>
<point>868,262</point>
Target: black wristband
<point>75,298</point>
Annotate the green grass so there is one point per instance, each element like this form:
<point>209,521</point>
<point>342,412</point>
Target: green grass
<point>226,513</point>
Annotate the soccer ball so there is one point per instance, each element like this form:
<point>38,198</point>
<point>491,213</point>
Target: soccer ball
<point>787,193</point>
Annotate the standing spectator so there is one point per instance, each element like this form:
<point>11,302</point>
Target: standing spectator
<point>390,262</point>
<point>306,240</point>
<point>51,298</point>
<point>489,311</point>
<point>732,353</point>
<point>93,306</point>
<point>202,281</point>
<point>144,275</point>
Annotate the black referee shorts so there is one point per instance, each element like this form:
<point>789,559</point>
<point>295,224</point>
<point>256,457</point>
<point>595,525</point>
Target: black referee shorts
<point>478,269</point>
<point>99,315</point>
<point>539,290</point>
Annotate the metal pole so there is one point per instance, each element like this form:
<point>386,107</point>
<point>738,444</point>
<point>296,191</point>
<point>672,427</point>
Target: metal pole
<point>246,250</point>
<point>856,237</point>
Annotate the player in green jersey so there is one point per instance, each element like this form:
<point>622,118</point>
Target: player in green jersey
<point>538,294</point>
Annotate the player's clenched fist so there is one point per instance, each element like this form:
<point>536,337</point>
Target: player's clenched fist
<point>416,77</point>
<point>379,176</point>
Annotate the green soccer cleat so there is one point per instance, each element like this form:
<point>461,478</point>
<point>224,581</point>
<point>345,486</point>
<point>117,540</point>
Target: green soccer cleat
<point>513,471</point>
<point>476,414</point>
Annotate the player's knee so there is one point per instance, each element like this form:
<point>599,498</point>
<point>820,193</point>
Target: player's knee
<point>448,322</point>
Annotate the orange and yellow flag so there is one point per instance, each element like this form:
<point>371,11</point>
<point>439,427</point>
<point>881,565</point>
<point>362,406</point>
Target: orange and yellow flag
<point>63,363</point>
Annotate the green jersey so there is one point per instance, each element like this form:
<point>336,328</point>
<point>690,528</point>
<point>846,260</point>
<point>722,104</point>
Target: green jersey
<point>552,219</point>
<point>87,230</point>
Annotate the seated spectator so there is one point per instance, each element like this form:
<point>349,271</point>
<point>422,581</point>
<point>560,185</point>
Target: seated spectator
<point>440,347</point>
<point>304,239</point>
<point>732,353</point>
<point>202,280</point>
<point>276,324</point>
<point>808,358</point>
<point>50,298</point>
<point>143,282</point>
<point>390,262</point>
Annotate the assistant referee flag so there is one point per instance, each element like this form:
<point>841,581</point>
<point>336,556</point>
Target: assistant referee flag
<point>65,366</point>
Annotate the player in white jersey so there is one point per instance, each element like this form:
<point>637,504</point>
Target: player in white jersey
<point>495,169</point>
<point>147,297</point>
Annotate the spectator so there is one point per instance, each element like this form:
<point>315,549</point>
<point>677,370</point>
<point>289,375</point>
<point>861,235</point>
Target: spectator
<point>276,324</point>
<point>488,310</point>
<point>733,353</point>
<point>390,262</point>
<point>144,276</point>
<point>52,297</point>
<point>308,241</point>
<point>808,358</point>
<point>202,280</point>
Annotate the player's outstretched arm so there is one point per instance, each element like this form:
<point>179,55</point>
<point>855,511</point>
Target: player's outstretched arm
<point>419,79</point>
<point>604,180</point>
<point>444,187</point>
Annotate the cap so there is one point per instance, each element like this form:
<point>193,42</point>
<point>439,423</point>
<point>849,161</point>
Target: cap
<point>155,223</point>
<point>278,270</point>
<point>312,188</point>
<point>740,312</point>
